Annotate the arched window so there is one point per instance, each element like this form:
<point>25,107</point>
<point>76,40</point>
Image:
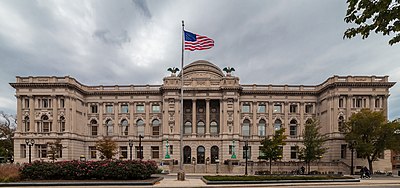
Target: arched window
<point>293,128</point>
<point>27,123</point>
<point>124,127</point>
<point>201,151</point>
<point>188,128</point>
<point>246,128</point>
<point>200,128</point>
<point>110,128</point>
<point>261,127</point>
<point>187,155</point>
<point>93,125</point>
<point>341,124</point>
<point>156,127</point>
<point>62,124</point>
<point>214,129</point>
<point>214,154</point>
<point>140,127</point>
<point>277,124</point>
<point>44,125</point>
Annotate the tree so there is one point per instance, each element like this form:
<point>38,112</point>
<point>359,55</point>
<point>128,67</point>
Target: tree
<point>107,148</point>
<point>372,134</point>
<point>272,148</point>
<point>313,143</point>
<point>380,16</point>
<point>7,129</point>
<point>54,149</point>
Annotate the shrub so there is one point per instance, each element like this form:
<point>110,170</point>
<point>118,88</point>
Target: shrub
<point>78,170</point>
<point>9,172</point>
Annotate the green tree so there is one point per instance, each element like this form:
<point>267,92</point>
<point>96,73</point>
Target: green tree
<point>272,147</point>
<point>107,147</point>
<point>7,130</point>
<point>54,149</point>
<point>380,16</point>
<point>313,142</point>
<point>372,134</point>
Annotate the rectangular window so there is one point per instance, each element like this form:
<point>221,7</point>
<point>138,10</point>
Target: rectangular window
<point>293,108</point>
<point>343,149</point>
<point>155,108</point>
<point>341,100</point>
<point>109,108</point>
<point>26,103</point>
<point>137,152</point>
<point>277,108</point>
<point>155,152</point>
<point>92,152</point>
<point>62,103</point>
<point>124,108</point>
<point>230,149</point>
<point>45,103</point>
<point>94,130</point>
<point>123,152</point>
<point>93,109</point>
<point>260,152</point>
<point>248,152</point>
<point>246,108</point>
<point>41,150</point>
<point>139,108</point>
<point>293,152</point>
<point>261,108</point>
<point>293,131</point>
<point>309,109</point>
<point>359,103</point>
<point>23,151</point>
<point>171,149</point>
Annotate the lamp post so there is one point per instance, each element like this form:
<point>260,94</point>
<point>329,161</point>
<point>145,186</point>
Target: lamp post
<point>140,147</point>
<point>352,144</point>
<point>246,147</point>
<point>130,147</point>
<point>30,143</point>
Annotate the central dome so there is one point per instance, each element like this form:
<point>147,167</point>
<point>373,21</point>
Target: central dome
<point>202,69</point>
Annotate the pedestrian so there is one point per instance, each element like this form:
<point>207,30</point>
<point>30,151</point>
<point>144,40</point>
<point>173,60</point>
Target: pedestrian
<point>302,169</point>
<point>362,173</point>
<point>367,172</point>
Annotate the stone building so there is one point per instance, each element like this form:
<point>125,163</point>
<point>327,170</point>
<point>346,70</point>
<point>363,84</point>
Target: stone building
<point>219,115</point>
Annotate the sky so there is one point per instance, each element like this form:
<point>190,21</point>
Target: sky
<point>107,42</point>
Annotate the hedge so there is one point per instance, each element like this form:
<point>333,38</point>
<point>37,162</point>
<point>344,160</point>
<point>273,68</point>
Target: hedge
<point>87,170</point>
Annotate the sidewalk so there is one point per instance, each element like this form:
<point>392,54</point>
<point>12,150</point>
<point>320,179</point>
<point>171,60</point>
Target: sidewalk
<point>194,180</point>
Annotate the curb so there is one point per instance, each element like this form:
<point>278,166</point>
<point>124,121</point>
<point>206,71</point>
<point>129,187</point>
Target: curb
<point>83,183</point>
<point>277,181</point>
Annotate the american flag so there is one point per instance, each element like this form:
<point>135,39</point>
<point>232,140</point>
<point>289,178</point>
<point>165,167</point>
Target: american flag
<point>197,42</point>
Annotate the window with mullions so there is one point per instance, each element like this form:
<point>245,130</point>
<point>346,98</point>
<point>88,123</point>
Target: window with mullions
<point>155,108</point>
<point>155,152</point>
<point>309,109</point>
<point>156,127</point>
<point>62,124</point>
<point>261,108</point>
<point>110,128</point>
<point>140,127</point>
<point>187,128</point>
<point>92,152</point>
<point>140,108</point>
<point>109,108</point>
<point>277,124</point>
<point>246,108</point>
<point>248,152</point>
<point>261,127</point>
<point>246,128</point>
<point>124,108</point>
<point>293,108</point>
<point>293,128</point>
<point>93,125</point>
<point>214,128</point>
<point>93,109</point>
<point>41,150</point>
<point>293,152</point>
<point>343,150</point>
<point>277,108</point>
<point>200,128</point>
<point>123,152</point>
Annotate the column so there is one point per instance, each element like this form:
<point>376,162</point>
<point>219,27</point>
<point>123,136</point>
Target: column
<point>348,106</point>
<point>254,126</point>
<point>285,122</point>
<point>270,127</point>
<point>19,113</point>
<point>147,120</point>
<point>131,120</point>
<point>384,104</point>
<point>194,118</point>
<point>207,117</point>
<point>236,117</point>
<point>372,102</point>
<point>100,128</point>
<point>55,127</point>
<point>32,114</point>
<point>73,124</point>
<point>68,122</point>
<point>222,122</point>
<point>302,120</point>
<point>116,120</point>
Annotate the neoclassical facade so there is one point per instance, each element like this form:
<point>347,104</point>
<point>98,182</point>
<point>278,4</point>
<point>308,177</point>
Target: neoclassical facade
<point>219,115</point>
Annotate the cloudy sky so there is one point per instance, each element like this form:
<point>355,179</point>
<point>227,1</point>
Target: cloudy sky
<point>134,42</point>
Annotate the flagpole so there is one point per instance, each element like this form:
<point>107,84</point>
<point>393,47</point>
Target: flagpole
<point>181,115</point>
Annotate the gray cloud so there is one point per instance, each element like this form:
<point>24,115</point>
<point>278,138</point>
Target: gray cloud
<point>134,42</point>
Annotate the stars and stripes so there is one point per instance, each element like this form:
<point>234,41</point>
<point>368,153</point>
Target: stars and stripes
<point>197,42</point>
